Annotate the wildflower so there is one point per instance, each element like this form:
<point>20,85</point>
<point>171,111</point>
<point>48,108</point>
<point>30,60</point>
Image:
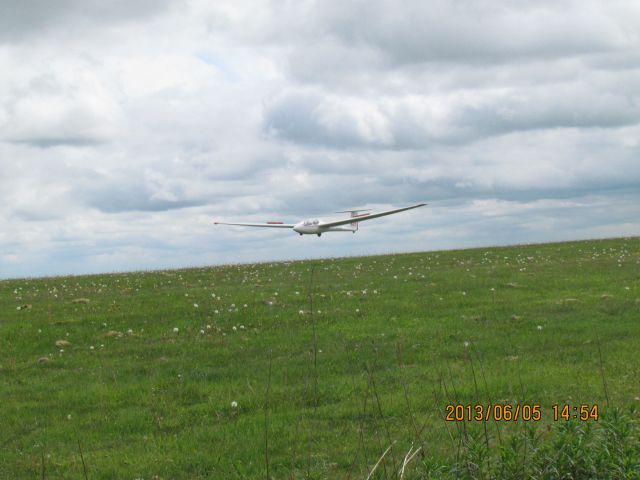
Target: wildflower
<point>357,310</point>
<point>539,327</point>
<point>234,404</point>
<point>208,327</point>
<point>466,344</point>
<point>176,329</point>
<point>130,332</point>
<point>91,347</point>
<point>201,332</point>
<point>195,305</point>
<point>301,312</point>
<point>234,328</point>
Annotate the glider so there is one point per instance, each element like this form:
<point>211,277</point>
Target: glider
<point>316,226</point>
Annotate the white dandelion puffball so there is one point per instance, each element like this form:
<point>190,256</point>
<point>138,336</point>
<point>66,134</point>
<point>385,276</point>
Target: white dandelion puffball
<point>176,329</point>
<point>234,404</point>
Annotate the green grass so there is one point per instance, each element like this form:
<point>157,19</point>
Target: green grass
<point>391,341</point>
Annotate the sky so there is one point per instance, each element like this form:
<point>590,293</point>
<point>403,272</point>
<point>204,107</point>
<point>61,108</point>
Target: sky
<point>127,127</point>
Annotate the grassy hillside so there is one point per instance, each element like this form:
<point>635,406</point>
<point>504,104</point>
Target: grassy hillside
<point>312,369</point>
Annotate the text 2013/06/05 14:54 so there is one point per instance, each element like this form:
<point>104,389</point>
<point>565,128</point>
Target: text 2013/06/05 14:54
<point>528,412</point>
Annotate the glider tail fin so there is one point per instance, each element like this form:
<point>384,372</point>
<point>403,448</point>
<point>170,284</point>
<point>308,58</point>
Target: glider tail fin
<point>356,214</point>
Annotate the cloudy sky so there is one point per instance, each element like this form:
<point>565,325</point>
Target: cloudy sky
<point>127,126</point>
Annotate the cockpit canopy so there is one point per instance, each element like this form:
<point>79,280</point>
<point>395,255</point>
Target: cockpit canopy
<point>310,222</point>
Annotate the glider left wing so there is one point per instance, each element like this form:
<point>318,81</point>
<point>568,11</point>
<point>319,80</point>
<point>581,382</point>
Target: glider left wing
<point>267,224</point>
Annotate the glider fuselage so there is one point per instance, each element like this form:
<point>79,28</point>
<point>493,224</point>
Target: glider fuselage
<point>314,227</point>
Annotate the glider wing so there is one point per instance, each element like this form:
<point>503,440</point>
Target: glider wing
<point>266,224</point>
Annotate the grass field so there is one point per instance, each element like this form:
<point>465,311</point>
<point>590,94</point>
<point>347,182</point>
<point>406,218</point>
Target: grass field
<point>313,369</point>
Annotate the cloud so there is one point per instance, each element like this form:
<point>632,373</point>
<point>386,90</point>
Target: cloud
<point>126,127</point>
<point>23,19</point>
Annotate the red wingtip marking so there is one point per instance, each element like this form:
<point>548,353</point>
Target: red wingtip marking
<point>275,223</point>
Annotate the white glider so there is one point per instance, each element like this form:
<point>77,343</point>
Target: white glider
<point>316,226</point>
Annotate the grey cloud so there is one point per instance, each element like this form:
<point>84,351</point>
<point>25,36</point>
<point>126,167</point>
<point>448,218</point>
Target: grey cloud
<point>554,107</point>
<point>21,19</point>
<point>420,122</point>
<point>130,191</point>
<point>475,32</point>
